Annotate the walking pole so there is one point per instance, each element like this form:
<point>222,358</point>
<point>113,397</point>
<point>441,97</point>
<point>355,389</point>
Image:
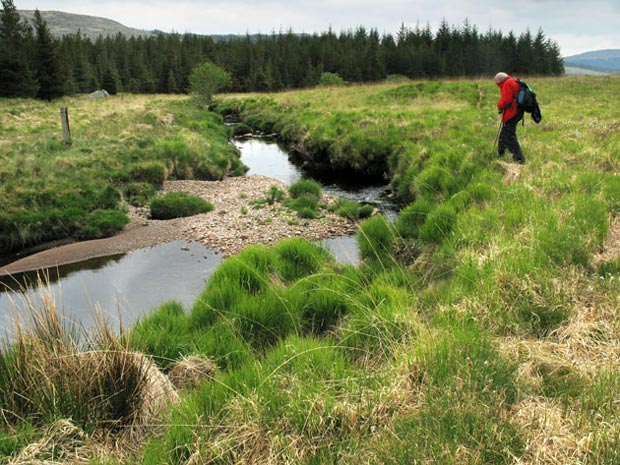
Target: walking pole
<point>499,130</point>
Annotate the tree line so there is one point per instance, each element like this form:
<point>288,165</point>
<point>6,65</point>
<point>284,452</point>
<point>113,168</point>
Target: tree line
<point>35,64</point>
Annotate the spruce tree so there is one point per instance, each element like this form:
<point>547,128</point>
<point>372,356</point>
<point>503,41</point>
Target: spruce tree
<point>16,78</point>
<point>48,70</point>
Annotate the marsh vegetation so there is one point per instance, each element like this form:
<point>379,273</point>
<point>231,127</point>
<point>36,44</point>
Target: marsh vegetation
<point>481,326</point>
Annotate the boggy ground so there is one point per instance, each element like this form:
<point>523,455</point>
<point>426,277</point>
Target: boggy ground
<point>235,222</point>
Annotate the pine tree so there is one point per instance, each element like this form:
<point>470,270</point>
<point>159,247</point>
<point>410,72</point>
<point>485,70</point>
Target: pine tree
<point>48,69</point>
<point>16,79</point>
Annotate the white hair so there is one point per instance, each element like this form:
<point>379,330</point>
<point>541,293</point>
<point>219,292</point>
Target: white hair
<point>500,77</point>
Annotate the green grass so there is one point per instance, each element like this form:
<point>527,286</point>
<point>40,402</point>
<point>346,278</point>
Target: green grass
<point>480,328</point>
<point>178,205</point>
<point>123,149</point>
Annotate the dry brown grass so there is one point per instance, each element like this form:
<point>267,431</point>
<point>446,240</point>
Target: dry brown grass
<point>58,371</point>
<point>552,437</point>
<point>192,371</point>
<point>582,349</point>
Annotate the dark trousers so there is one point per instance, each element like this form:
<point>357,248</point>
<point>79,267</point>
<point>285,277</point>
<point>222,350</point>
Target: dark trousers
<point>508,139</point>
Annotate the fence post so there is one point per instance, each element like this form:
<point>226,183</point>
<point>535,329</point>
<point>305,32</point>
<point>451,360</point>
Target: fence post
<point>64,119</point>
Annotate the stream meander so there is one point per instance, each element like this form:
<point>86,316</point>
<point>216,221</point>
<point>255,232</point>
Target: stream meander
<point>128,285</point>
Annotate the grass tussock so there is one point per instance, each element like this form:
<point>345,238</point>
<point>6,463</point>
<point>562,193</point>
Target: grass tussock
<point>80,384</point>
<point>178,205</point>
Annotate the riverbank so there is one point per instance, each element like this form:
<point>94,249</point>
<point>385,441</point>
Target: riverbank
<point>237,220</point>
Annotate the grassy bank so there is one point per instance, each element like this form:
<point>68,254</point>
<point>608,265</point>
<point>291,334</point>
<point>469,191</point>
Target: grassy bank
<point>481,328</point>
<point>123,149</point>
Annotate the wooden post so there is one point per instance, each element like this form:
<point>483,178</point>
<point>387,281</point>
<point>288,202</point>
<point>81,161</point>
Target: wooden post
<point>64,119</point>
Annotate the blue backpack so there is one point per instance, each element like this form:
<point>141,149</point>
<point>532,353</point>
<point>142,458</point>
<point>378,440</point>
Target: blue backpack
<point>526,100</point>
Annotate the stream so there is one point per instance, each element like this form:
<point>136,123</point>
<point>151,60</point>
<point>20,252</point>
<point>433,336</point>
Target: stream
<point>126,286</point>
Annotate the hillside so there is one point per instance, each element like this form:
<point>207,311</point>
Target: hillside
<point>61,23</point>
<point>599,60</point>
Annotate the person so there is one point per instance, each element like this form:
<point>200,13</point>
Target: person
<point>511,115</point>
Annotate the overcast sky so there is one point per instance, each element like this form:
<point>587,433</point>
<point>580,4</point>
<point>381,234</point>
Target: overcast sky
<point>576,25</point>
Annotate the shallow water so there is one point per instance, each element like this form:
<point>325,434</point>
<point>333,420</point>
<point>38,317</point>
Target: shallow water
<point>124,286</point>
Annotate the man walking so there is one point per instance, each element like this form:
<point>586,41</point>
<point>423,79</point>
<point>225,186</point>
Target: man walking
<point>511,115</point>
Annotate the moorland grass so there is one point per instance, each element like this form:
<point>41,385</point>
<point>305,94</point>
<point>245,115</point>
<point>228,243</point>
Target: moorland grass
<point>495,341</point>
<point>122,146</point>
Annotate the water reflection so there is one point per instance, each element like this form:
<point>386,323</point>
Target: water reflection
<point>124,286</point>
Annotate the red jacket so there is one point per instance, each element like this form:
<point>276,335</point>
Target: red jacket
<point>508,101</point>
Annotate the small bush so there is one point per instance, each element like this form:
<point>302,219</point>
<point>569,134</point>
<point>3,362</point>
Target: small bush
<point>205,80</point>
<point>177,205</point>
<point>331,79</point>
<point>103,223</point>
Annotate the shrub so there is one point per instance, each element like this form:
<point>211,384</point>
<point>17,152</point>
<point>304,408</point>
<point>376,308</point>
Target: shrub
<point>177,205</point>
<point>331,79</point>
<point>103,223</point>
<point>205,80</point>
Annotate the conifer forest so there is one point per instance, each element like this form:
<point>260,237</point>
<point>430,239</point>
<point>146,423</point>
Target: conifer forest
<point>33,63</point>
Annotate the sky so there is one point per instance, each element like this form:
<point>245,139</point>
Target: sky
<point>577,26</point>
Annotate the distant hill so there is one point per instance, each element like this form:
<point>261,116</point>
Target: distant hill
<point>599,60</point>
<point>61,23</point>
